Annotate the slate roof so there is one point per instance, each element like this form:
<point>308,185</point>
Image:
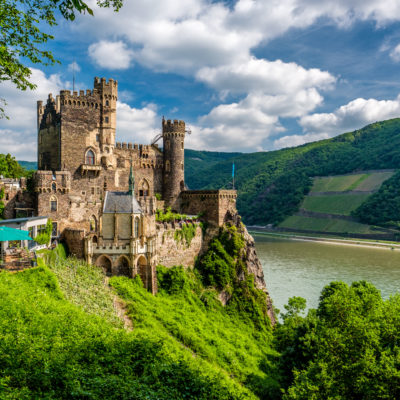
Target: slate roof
<point>121,202</point>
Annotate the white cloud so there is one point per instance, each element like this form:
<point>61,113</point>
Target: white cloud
<point>297,140</point>
<point>111,55</point>
<point>353,115</point>
<point>137,125</point>
<point>74,67</point>
<point>395,53</point>
<point>272,77</point>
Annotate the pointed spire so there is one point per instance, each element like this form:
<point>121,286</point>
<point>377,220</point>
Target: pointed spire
<point>131,181</point>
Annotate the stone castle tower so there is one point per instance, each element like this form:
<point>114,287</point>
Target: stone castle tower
<point>79,159</point>
<point>174,154</point>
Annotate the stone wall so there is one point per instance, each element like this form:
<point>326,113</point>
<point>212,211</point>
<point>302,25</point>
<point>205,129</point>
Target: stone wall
<point>216,206</point>
<point>173,252</point>
<point>74,239</point>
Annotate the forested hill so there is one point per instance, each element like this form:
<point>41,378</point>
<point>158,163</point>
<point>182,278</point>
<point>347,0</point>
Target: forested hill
<point>271,185</point>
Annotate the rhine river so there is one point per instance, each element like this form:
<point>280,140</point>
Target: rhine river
<point>300,268</point>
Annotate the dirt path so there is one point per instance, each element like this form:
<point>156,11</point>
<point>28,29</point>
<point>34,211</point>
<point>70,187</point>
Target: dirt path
<point>120,308</point>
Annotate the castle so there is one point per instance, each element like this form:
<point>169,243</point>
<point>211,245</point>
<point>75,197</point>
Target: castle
<point>102,195</point>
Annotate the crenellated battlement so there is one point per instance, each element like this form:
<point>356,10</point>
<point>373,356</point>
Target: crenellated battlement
<point>174,126</point>
<point>101,82</point>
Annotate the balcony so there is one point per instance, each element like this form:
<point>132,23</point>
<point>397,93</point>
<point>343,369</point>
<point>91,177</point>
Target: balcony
<point>86,168</point>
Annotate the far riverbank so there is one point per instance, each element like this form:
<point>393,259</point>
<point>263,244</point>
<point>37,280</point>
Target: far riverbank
<point>394,246</point>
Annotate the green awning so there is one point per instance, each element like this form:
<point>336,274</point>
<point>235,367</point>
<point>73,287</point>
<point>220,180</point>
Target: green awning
<point>7,234</point>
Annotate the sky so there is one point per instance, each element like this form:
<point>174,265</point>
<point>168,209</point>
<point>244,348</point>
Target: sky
<point>246,75</point>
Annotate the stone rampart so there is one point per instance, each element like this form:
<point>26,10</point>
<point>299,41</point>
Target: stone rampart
<point>172,248</point>
<point>216,206</point>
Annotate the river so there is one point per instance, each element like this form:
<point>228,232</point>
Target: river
<point>300,268</point>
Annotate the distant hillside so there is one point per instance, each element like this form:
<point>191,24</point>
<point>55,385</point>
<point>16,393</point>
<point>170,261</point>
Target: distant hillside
<point>331,202</point>
<point>272,185</point>
<point>29,165</point>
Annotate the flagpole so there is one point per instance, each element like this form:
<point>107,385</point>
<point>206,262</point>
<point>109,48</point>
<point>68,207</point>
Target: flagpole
<point>233,176</point>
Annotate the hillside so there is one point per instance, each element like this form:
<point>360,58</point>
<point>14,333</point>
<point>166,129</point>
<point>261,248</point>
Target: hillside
<point>272,185</point>
<point>63,337</point>
<point>330,205</point>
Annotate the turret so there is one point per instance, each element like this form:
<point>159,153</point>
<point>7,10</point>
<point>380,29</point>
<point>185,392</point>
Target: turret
<point>174,172</point>
<point>108,92</point>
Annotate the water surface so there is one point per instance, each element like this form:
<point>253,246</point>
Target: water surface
<point>298,268</point>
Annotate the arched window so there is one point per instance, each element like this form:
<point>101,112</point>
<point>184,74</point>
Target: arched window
<point>182,145</point>
<point>107,103</point>
<point>54,187</point>
<point>136,227</point>
<point>167,145</point>
<point>167,166</point>
<point>90,157</point>
<point>53,203</point>
<point>93,223</point>
<point>144,188</point>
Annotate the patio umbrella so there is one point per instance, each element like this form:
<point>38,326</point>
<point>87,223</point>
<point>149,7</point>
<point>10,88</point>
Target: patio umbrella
<point>7,234</point>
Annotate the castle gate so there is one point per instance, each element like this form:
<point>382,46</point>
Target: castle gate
<point>122,267</point>
<point>105,263</point>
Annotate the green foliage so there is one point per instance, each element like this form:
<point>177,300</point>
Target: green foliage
<point>272,185</point>
<point>341,204</point>
<point>45,236</point>
<point>346,349</point>
<point>186,233</point>
<point>223,267</point>
<point>158,196</point>
<point>383,207</point>
<point>9,166</point>
<point>168,216</point>
<point>191,320</point>
<point>59,339</point>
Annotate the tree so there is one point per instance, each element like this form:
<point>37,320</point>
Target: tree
<point>345,349</point>
<point>21,34</point>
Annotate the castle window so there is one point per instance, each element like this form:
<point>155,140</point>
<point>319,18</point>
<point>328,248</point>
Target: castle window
<point>144,188</point>
<point>136,227</point>
<point>167,166</point>
<point>53,203</point>
<point>92,190</point>
<point>90,157</point>
<point>54,229</point>
<point>107,103</point>
<point>93,223</point>
<point>97,138</point>
<point>167,145</point>
<point>182,144</point>
<point>54,187</point>
<point>106,119</point>
<point>182,166</point>
<point>96,105</point>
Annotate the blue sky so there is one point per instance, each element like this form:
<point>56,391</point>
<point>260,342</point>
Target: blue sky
<point>245,75</point>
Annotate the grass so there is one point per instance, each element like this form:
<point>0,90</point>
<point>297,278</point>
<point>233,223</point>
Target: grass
<point>84,285</point>
<point>360,181</point>
<point>61,338</point>
<point>341,204</point>
<point>326,225</point>
<point>199,323</point>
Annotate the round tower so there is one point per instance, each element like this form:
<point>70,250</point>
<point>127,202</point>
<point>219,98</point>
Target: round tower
<point>174,172</point>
